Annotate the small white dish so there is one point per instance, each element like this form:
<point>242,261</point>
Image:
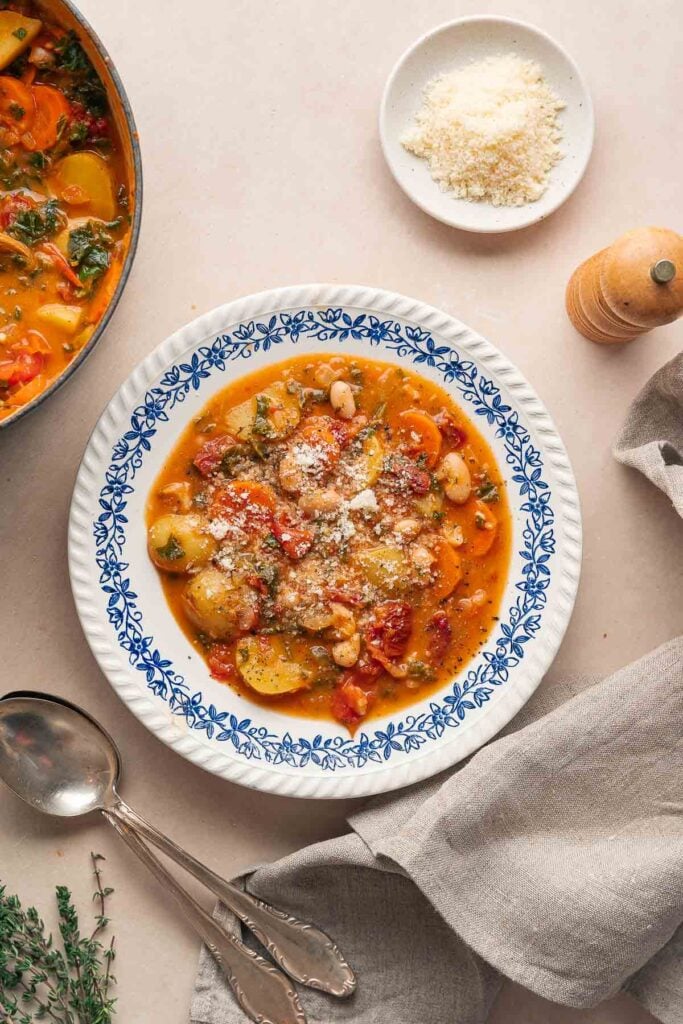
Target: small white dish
<point>151,663</point>
<point>452,46</point>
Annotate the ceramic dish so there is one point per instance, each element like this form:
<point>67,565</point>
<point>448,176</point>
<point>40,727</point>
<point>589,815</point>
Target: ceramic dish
<point>454,45</point>
<point>67,16</point>
<point>152,665</point>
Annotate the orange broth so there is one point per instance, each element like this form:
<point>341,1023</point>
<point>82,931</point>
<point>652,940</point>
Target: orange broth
<point>311,575</point>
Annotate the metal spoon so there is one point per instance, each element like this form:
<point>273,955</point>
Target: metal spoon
<point>59,760</point>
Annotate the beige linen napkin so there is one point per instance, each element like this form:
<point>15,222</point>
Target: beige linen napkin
<point>554,856</point>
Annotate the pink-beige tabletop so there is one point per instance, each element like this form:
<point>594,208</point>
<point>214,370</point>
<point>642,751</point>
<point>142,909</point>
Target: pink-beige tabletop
<point>258,125</point>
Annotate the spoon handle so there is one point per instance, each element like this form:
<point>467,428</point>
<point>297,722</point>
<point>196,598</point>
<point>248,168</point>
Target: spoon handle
<point>305,952</point>
<point>263,992</point>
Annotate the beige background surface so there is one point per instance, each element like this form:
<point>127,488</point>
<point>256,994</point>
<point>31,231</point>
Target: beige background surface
<point>262,167</point>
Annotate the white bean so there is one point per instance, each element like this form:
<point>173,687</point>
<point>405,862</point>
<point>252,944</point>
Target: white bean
<point>342,400</point>
<point>455,475</point>
<point>343,621</point>
<point>408,529</point>
<point>346,652</point>
<point>453,534</point>
<point>320,501</point>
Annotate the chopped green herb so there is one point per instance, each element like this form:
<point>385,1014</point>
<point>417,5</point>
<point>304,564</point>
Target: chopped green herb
<point>20,33</point>
<point>33,226</point>
<point>261,424</point>
<point>88,251</point>
<point>480,520</point>
<point>437,515</point>
<point>233,457</point>
<point>357,375</point>
<point>86,87</point>
<point>271,541</point>
<point>17,111</point>
<point>17,313</point>
<point>172,550</point>
<point>420,670</point>
<point>78,131</point>
<point>487,492</point>
<point>244,654</point>
<point>38,160</point>
<point>270,575</point>
<point>379,412</point>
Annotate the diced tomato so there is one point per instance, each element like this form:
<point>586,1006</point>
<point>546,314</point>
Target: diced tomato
<point>349,703</point>
<point>408,474</point>
<point>247,501</point>
<point>22,369</point>
<point>95,127</point>
<point>221,661</point>
<point>295,539</point>
<point>12,205</point>
<point>354,598</point>
<point>450,429</point>
<point>441,633</point>
<point>389,632</point>
<point>210,455</point>
<point>344,431</point>
<point>368,668</point>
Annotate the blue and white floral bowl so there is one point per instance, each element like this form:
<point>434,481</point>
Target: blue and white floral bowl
<point>151,664</point>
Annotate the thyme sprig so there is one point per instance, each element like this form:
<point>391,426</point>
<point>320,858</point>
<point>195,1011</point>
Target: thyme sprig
<point>41,983</point>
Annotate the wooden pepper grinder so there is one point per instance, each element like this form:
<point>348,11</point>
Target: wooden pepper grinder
<point>629,288</point>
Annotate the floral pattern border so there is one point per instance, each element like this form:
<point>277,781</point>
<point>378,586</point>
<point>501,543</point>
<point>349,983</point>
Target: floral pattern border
<point>522,621</point>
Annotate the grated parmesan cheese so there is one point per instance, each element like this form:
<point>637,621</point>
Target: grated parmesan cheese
<point>489,131</point>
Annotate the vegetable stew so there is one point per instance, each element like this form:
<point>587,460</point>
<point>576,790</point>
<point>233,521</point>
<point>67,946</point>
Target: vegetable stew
<point>64,203</point>
<point>333,536</point>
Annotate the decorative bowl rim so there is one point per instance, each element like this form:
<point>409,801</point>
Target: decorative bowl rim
<point>535,215</point>
<point>81,357</point>
<point>426,321</point>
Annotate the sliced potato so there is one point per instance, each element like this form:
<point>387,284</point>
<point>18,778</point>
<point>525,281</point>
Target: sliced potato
<point>179,542</point>
<point>16,33</point>
<point>263,666</point>
<point>386,567</point>
<point>432,502</point>
<point>219,605</point>
<point>65,318</point>
<point>273,412</point>
<point>89,174</point>
<point>371,461</point>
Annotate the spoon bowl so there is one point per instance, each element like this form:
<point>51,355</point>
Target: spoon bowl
<point>61,761</point>
<point>55,757</point>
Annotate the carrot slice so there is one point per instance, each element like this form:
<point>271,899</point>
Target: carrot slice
<point>483,531</point>
<point>17,106</point>
<point>420,434</point>
<point>316,431</point>
<point>52,111</point>
<point>29,391</point>
<point>448,570</point>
